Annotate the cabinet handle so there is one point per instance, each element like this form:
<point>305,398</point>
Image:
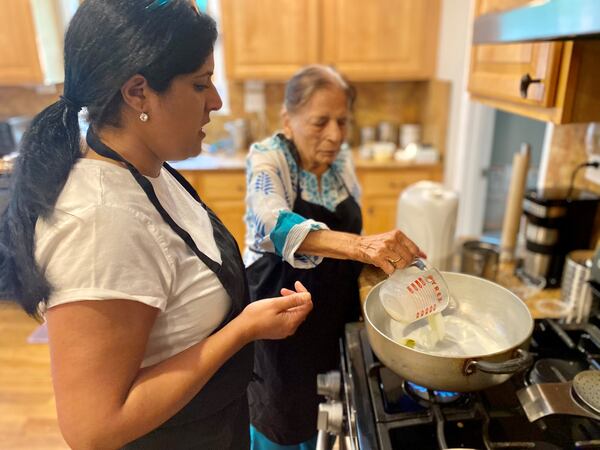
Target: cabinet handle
<point>526,80</point>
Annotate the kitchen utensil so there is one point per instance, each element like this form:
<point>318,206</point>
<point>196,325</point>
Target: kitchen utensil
<point>383,151</point>
<point>579,397</point>
<point>367,135</point>
<point>410,133</point>
<point>480,259</point>
<point>239,131</point>
<point>414,292</point>
<point>427,212</point>
<point>514,200</point>
<point>503,316</point>
<point>387,132</point>
<point>575,290</point>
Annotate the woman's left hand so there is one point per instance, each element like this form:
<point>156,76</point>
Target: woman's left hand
<point>389,251</point>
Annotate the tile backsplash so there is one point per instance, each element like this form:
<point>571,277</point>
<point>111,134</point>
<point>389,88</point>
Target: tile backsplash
<point>566,152</point>
<point>24,101</point>
<point>398,102</point>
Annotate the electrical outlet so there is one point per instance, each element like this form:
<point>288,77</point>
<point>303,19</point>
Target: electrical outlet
<point>592,173</point>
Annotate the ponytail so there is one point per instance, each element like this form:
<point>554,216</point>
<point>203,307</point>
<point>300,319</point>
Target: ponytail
<point>47,153</point>
<point>159,42</point>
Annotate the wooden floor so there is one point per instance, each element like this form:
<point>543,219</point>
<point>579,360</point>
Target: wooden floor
<point>27,414</point>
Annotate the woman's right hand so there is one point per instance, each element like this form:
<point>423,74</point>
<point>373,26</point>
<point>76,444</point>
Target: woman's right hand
<point>389,251</point>
<point>279,317</point>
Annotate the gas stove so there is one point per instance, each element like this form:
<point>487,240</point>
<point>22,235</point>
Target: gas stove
<point>377,409</point>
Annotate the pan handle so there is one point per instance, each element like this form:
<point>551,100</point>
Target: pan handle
<point>523,360</point>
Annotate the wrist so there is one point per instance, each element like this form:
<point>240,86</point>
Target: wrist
<point>244,330</point>
<point>358,248</point>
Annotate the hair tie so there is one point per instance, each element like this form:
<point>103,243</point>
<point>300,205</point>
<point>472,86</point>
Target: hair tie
<point>70,103</point>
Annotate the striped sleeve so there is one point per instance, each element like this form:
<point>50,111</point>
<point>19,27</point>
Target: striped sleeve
<point>272,226</point>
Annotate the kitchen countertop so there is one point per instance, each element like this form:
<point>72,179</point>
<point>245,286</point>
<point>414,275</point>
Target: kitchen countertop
<point>213,161</point>
<point>532,296</point>
<point>237,161</point>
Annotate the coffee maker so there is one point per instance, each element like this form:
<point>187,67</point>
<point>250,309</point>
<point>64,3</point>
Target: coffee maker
<point>557,222</point>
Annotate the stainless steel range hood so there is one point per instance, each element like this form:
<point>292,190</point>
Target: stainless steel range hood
<point>542,20</point>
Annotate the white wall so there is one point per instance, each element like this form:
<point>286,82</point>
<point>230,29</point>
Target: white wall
<point>453,49</point>
<point>470,126</point>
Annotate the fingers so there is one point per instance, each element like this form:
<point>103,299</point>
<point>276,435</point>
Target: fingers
<point>408,250</point>
<point>388,267</point>
<point>300,287</point>
<point>411,246</point>
<point>293,300</point>
<point>404,258</point>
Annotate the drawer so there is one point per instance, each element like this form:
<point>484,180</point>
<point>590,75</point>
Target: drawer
<point>384,182</point>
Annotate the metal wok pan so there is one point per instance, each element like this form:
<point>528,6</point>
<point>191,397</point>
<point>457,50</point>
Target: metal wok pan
<point>495,309</point>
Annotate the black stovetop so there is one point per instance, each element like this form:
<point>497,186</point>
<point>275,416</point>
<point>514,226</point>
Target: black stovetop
<point>393,414</point>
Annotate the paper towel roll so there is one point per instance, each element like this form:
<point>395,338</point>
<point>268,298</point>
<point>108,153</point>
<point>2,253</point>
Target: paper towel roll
<point>514,203</point>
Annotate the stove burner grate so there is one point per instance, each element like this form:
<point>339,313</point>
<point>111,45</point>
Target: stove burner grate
<point>554,370</point>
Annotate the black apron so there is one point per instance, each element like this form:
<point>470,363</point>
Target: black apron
<point>217,417</point>
<point>283,396</point>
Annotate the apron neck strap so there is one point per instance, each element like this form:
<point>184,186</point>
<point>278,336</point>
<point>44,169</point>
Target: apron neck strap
<point>102,149</point>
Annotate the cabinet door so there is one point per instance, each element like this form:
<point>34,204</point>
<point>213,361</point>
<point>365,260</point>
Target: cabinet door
<point>381,189</point>
<point>223,191</point>
<point>231,213</point>
<point>269,39</point>
<point>19,62</point>
<point>381,39</point>
<point>496,70</point>
<point>379,214</point>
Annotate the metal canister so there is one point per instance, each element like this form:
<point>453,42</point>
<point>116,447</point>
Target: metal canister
<point>387,132</point>
<point>367,135</point>
<point>575,290</point>
<point>480,259</point>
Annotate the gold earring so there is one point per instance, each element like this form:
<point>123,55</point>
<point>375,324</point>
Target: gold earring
<point>144,117</point>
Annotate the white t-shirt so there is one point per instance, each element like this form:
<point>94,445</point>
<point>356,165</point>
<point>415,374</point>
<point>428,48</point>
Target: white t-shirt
<point>105,240</point>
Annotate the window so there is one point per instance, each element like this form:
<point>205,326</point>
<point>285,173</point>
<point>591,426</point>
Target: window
<point>213,8</point>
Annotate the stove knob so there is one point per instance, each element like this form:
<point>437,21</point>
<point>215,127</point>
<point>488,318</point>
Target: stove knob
<point>330,384</point>
<point>331,417</point>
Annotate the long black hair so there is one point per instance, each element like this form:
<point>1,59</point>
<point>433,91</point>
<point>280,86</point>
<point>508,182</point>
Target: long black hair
<point>107,42</point>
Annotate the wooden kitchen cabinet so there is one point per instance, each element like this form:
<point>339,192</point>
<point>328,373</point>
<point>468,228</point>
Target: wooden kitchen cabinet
<point>223,191</point>
<point>269,39</point>
<point>367,41</point>
<point>381,188</point>
<point>566,91</point>
<point>31,41</point>
<point>19,61</point>
<point>381,39</point>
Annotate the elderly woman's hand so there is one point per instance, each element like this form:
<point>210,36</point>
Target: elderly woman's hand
<point>388,251</point>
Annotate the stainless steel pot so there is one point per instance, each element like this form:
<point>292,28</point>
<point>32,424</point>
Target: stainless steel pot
<point>494,307</point>
<point>480,259</point>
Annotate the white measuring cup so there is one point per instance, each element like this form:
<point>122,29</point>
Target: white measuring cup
<point>415,292</point>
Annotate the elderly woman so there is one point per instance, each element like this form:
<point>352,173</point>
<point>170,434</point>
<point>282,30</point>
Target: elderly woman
<point>304,223</point>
